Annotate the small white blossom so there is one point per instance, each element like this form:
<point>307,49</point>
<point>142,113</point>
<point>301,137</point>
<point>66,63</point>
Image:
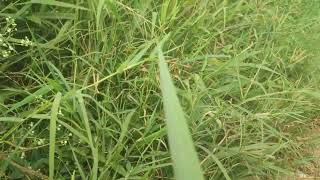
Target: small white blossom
<point>59,127</point>
<point>23,155</point>
<point>64,142</point>
<point>5,53</point>
<point>40,142</point>
<point>6,46</point>
<point>25,41</point>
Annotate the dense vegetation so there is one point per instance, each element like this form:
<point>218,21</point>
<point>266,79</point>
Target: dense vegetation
<point>80,92</point>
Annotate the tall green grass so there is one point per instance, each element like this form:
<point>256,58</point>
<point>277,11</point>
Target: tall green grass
<point>53,127</point>
<point>242,91</point>
<point>184,156</point>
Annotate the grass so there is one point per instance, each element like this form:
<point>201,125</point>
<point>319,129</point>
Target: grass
<point>53,127</point>
<point>184,156</point>
<point>245,74</point>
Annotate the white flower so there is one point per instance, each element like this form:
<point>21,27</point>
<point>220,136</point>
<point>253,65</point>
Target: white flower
<point>5,53</point>
<point>60,112</point>
<point>25,41</point>
<point>64,142</point>
<point>40,142</point>
<point>23,155</point>
<point>59,127</point>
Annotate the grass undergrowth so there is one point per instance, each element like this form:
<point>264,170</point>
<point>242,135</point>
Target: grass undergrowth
<point>82,95</point>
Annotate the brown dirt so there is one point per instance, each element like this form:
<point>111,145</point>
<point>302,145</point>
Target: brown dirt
<point>312,170</point>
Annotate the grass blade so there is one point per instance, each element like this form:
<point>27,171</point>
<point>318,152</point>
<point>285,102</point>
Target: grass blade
<point>11,119</point>
<point>56,3</point>
<point>76,161</point>
<point>52,140</point>
<point>42,91</point>
<point>216,160</point>
<point>184,156</point>
<point>88,130</point>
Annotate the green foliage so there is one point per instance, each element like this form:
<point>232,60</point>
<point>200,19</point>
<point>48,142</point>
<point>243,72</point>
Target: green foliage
<point>184,156</point>
<point>245,74</point>
<point>52,138</point>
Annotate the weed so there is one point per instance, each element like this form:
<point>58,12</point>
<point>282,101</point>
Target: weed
<point>82,95</point>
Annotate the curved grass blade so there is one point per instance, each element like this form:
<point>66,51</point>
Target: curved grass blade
<point>55,3</point>
<point>42,91</point>
<point>89,134</point>
<point>52,140</point>
<point>185,161</point>
<point>217,161</point>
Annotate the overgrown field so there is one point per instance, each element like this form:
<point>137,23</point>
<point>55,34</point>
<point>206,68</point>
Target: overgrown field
<point>81,93</point>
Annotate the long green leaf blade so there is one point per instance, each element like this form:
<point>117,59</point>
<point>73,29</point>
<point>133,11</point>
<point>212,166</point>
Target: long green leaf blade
<point>89,134</point>
<point>52,140</point>
<point>42,91</point>
<point>185,161</point>
<point>56,3</point>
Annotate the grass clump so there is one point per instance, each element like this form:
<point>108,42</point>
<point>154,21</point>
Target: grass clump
<point>244,72</point>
